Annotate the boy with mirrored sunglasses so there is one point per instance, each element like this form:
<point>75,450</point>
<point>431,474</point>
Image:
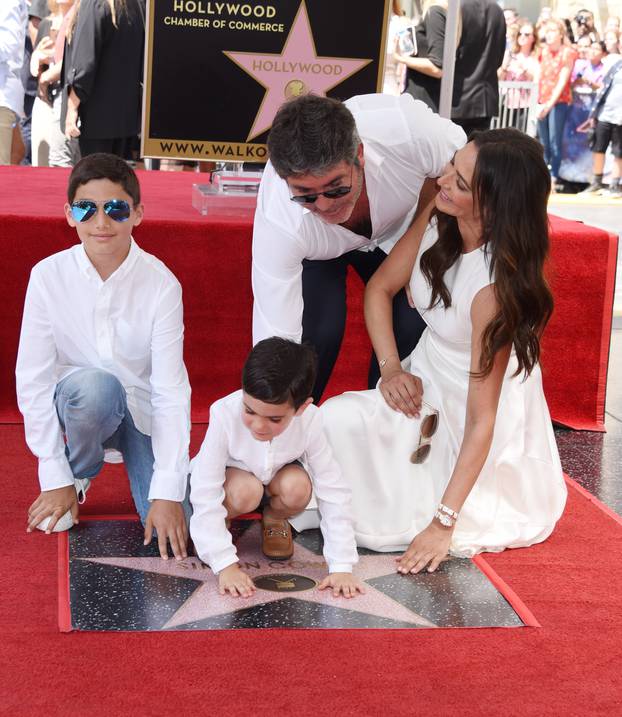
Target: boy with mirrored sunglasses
<point>100,371</point>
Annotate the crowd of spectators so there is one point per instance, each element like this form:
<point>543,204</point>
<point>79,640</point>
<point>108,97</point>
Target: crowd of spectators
<point>568,63</point>
<point>64,99</point>
<point>70,79</point>
<point>571,61</point>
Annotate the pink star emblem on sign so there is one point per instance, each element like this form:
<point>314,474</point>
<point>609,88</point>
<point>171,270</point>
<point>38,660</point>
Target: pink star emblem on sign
<point>296,71</point>
<point>206,602</point>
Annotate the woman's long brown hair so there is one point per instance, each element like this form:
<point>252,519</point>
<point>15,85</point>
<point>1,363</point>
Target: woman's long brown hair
<point>511,184</point>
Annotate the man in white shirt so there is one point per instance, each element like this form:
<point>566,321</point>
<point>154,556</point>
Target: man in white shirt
<point>100,363</point>
<point>268,437</point>
<point>341,187</point>
<point>13,21</point>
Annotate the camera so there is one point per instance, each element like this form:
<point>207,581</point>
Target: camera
<point>582,19</point>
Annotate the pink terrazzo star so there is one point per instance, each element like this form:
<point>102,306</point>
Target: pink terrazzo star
<point>206,602</point>
<point>296,71</point>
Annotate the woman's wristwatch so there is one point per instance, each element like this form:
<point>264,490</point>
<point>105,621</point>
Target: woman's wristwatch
<point>446,516</point>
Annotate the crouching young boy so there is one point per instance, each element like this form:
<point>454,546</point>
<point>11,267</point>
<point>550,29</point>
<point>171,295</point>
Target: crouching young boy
<point>100,366</point>
<point>267,439</point>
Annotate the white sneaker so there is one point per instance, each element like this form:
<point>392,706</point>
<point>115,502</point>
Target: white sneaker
<point>65,522</point>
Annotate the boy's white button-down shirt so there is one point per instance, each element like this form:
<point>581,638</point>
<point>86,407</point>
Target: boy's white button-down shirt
<point>404,142</point>
<point>130,325</point>
<point>229,443</point>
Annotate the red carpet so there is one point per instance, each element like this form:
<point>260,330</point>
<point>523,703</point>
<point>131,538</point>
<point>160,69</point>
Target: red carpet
<point>211,257</point>
<point>571,583</point>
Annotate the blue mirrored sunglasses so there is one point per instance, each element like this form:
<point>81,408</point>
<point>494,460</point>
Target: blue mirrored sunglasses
<point>84,209</point>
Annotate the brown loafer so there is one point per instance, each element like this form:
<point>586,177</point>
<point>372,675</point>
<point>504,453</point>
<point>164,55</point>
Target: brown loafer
<point>277,541</point>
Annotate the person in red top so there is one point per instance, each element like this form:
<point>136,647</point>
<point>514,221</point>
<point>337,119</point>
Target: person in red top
<point>554,95</point>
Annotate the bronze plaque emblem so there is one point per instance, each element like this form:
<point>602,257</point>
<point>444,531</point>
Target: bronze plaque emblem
<point>284,583</point>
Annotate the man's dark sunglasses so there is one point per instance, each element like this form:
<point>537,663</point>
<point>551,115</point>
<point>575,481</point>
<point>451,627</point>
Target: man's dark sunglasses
<point>84,209</point>
<point>329,194</point>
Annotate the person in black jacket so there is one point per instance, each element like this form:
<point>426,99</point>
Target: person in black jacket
<point>102,74</point>
<point>479,56</point>
<point>425,67</point>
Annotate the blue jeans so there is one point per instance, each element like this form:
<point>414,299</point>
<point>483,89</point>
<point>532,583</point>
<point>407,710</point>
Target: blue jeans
<point>550,134</point>
<point>92,408</point>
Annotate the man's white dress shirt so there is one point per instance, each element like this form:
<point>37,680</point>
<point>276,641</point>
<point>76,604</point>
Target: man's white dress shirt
<point>13,21</point>
<point>404,142</point>
<point>229,443</point>
<point>130,325</point>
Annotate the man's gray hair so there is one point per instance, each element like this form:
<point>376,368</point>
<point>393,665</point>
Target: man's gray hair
<point>311,134</point>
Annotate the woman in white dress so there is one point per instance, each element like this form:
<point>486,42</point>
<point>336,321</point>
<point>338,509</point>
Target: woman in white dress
<point>489,477</point>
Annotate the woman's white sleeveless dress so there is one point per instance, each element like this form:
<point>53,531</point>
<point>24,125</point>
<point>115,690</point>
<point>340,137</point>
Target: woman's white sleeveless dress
<point>520,493</point>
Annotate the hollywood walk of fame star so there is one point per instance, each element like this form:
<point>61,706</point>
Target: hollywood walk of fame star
<point>206,602</point>
<point>296,70</point>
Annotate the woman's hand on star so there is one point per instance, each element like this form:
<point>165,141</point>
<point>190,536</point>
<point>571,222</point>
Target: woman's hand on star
<point>428,548</point>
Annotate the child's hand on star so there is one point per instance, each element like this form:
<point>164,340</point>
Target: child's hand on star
<point>342,584</point>
<point>234,581</point>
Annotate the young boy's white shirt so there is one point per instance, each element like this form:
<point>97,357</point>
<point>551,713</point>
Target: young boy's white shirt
<point>228,443</point>
<point>130,325</point>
